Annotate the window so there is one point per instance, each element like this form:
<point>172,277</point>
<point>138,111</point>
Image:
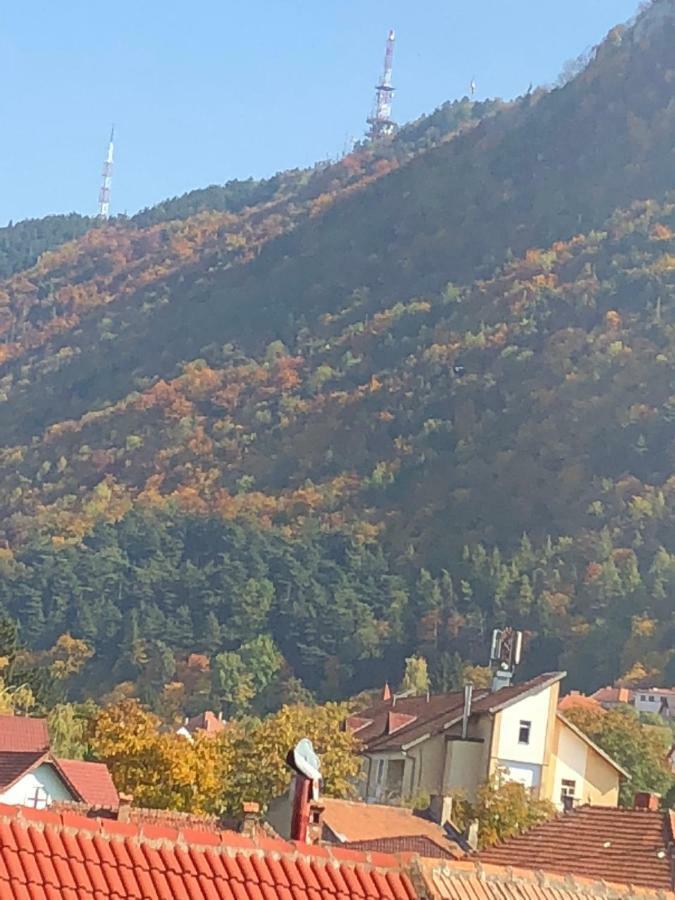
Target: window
<point>524,732</point>
<point>38,799</point>
<point>652,698</point>
<point>643,697</point>
<point>567,793</point>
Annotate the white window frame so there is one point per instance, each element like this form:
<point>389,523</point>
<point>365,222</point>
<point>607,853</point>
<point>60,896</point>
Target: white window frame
<point>524,725</point>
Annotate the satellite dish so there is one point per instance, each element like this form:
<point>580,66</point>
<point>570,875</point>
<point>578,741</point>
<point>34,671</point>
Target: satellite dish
<point>303,760</point>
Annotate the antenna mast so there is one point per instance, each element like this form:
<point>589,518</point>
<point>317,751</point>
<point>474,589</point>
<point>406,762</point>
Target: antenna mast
<point>380,121</point>
<point>104,193</point>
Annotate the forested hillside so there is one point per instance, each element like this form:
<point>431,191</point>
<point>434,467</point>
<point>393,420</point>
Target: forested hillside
<point>306,427</point>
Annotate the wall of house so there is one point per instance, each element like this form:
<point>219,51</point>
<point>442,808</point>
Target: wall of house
<point>426,762</point>
<point>533,709</point>
<point>596,781</point>
<point>43,778</point>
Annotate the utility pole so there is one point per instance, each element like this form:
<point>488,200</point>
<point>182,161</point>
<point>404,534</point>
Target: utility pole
<point>380,121</point>
<point>104,193</point>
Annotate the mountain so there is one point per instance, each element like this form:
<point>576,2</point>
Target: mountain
<point>366,410</point>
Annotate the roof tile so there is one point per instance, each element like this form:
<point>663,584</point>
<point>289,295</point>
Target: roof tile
<point>604,843</point>
<point>96,862</point>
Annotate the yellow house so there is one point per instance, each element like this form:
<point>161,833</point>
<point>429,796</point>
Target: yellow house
<point>439,745</point>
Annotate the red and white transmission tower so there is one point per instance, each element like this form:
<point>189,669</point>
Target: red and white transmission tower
<point>104,193</point>
<point>380,121</point>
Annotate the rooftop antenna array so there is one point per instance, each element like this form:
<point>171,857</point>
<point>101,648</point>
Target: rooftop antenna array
<point>104,193</point>
<point>380,121</point>
<point>505,654</point>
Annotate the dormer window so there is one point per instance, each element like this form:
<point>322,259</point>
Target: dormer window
<point>524,732</point>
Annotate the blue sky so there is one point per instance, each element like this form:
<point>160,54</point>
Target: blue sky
<point>210,90</point>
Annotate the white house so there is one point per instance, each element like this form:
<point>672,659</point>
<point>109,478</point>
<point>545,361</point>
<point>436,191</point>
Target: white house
<point>440,745</point>
<point>655,700</point>
<point>30,775</point>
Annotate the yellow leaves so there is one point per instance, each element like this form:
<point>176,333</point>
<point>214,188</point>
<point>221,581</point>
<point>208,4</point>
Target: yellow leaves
<point>68,656</point>
<point>244,762</point>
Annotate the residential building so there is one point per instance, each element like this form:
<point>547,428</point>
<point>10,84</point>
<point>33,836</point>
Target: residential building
<point>385,829</point>
<point>655,700</point>
<point>611,697</point>
<point>46,855</point>
<point>631,846</point>
<point>207,723</point>
<point>31,775</point>
<point>443,744</point>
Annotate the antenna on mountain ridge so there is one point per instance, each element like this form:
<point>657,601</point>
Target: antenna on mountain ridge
<point>104,193</point>
<point>380,121</point>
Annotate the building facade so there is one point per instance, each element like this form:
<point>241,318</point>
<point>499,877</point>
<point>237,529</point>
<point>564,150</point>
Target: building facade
<point>438,746</point>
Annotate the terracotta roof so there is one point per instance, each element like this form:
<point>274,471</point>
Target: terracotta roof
<point>353,822</point>
<point>474,881</point>
<point>613,695</point>
<point>23,735</point>
<point>622,845</point>
<point>141,815</point>
<point>14,765</point>
<point>49,856</point>
<point>417,844</point>
<point>433,715</point>
<point>206,721</point>
<point>91,781</point>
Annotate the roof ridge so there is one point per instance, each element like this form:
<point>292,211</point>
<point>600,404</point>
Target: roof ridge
<point>224,843</point>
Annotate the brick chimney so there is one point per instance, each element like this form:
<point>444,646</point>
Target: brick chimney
<point>249,825</point>
<point>647,801</point>
<point>301,791</point>
<point>124,808</point>
<point>315,825</point>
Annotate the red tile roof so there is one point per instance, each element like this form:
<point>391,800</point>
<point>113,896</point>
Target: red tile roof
<point>621,845</point>
<point>428,716</point>
<point>206,721</point>
<point>91,781</point>
<point>23,735</point>
<point>354,822</point>
<point>49,856</point>
<point>613,695</point>
<point>417,844</point>
<point>474,881</point>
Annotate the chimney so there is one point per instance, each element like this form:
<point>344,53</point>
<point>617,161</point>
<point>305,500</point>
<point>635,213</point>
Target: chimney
<point>386,692</point>
<point>300,815</point>
<point>315,827</point>
<point>249,825</point>
<point>124,808</point>
<point>468,696</point>
<point>471,834</point>
<point>440,808</point>
<point>645,800</point>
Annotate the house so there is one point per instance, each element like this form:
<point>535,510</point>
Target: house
<point>46,855</point>
<point>31,775</point>
<point>372,826</point>
<point>611,697</point>
<point>656,700</point>
<point>453,742</point>
<point>207,722</point>
<point>630,846</point>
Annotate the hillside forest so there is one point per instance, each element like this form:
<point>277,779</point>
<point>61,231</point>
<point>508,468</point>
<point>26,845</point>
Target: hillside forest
<point>264,442</point>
